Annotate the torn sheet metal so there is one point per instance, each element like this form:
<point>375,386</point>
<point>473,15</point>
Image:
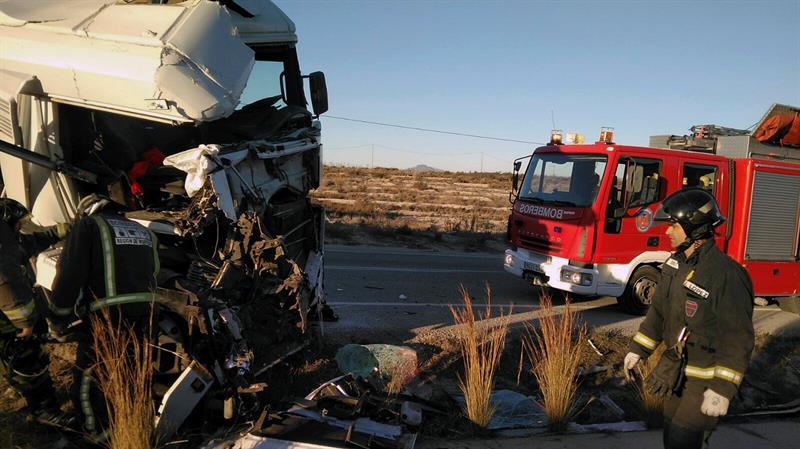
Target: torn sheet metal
<point>219,181</point>
<point>208,75</point>
<point>776,409</point>
<point>362,424</point>
<point>315,279</point>
<point>622,426</point>
<point>337,414</point>
<point>181,398</point>
<point>250,441</point>
<point>175,63</point>
<point>199,164</point>
<point>514,411</point>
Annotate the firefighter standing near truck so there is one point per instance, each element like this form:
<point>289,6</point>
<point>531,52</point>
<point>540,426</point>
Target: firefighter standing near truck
<point>108,262</point>
<point>22,357</point>
<point>702,311</point>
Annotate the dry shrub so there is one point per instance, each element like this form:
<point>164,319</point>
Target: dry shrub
<point>481,339</point>
<point>652,406</point>
<point>399,376</point>
<point>554,351</point>
<point>124,373</point>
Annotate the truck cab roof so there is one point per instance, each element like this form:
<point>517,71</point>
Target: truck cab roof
<point>608,148</point>
<point>178,62</point>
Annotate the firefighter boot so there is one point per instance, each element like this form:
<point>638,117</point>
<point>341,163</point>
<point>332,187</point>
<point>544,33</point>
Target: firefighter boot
<point>679,437</point>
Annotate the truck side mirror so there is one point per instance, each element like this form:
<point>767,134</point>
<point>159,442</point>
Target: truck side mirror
<point>515,177</point>
<point>319,92</point>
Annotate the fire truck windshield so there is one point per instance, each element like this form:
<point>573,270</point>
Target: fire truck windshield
<point>563,179</point>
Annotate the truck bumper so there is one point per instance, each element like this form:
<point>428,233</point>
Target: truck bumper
<point>545,270</point>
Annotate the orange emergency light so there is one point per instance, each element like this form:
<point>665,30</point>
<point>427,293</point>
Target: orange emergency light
<point>606,135</point>
<point>556,137</point>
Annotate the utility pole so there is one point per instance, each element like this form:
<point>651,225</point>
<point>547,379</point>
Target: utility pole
<point>372,156</point>
<point>481,161</point>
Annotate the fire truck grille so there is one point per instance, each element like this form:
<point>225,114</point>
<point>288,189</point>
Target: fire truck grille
<point>539,244</point>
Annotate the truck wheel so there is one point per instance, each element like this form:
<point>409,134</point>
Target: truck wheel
<point>639,291</point>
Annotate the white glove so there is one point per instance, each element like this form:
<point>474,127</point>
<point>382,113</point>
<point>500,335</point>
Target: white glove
<point>714,404</point>
<point>629,364</point>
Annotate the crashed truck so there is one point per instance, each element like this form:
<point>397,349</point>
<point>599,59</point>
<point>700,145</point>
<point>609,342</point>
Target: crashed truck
<point>146,103</point>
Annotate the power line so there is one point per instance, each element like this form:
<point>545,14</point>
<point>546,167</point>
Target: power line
<point>452,133</point>
<point>400,150</point>
<point>347,147</point>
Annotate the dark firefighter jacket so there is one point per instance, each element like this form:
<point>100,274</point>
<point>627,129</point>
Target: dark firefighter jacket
<point>107,260</point>
<point>712,295</point>
<point>16,292</point>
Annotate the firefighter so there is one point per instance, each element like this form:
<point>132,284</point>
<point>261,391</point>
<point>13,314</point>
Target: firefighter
<point>108,262</point>
<point>702,311</point>
<point>22,357</point>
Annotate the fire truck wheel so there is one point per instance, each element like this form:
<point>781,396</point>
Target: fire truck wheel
<point>639,292</point>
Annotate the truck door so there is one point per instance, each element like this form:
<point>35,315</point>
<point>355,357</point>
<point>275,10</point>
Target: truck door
<point>627,232</point>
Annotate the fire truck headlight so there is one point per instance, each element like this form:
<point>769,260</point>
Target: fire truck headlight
<point>577,278</point>
<point>509,260</point>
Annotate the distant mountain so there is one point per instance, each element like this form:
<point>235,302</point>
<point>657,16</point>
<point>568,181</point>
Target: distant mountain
<point>423,167</point>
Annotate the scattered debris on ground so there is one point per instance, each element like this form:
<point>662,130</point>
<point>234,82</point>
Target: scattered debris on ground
<point>606,402</point>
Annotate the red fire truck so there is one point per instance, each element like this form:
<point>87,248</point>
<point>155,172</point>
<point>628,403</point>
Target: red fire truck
<point>582,217</point>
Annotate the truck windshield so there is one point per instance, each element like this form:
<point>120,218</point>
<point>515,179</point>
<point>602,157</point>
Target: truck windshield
<point>264,82</point>
<point>563,179</point>
<point>275,66</point>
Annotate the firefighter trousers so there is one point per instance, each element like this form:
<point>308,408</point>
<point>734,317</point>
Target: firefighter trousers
<point>685,426</point>
<point>25,366</point>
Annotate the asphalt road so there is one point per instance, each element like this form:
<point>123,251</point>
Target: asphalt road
<point>395,294</point>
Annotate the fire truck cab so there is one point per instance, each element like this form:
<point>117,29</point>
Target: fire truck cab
<point>582,217</point>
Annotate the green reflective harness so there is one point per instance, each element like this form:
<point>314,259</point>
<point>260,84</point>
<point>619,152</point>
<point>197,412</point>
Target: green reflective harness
<point>109,272</point>
<point>111,299</point>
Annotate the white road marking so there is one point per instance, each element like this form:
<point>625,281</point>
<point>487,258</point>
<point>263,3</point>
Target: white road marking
<point>428,304</point>
<point>493,306</point>
<point>376,251</point>
<point>408,270</point>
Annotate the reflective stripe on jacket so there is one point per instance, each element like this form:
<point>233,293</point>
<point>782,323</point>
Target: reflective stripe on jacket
<point>16,291</point>
<point>109,260</point>
<point>712,295</point>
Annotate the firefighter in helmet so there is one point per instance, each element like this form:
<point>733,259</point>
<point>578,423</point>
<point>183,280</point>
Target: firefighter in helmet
<point>702,312</point>
<point>108,262</point>
<point>22,358</point>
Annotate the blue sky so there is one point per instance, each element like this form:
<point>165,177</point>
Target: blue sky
<point>501,68</point>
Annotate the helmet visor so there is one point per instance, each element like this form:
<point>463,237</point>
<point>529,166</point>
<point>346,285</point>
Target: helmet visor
<point>661,215</point>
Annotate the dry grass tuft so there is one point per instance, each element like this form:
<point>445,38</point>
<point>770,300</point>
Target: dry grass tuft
<point>481,340</point>
<point>399,376</point>
<point>124,373</point>
<point>652,406</point>
<point>554,350</point>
